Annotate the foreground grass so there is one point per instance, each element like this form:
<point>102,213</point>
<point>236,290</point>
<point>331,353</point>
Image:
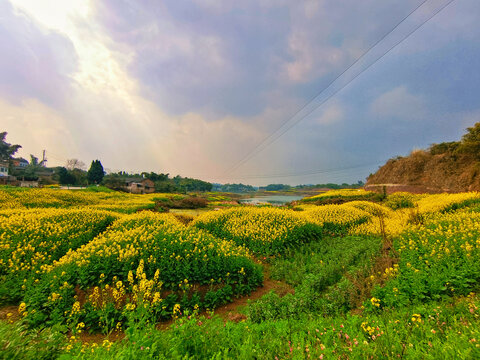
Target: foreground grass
<point>439,330</point>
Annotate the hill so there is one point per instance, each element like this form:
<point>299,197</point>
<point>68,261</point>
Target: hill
<point>444,167</point>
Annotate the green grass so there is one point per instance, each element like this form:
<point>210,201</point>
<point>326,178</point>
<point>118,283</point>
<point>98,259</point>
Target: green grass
<point>439,258</point>
<point>318,273</point>
<point>445,331</point>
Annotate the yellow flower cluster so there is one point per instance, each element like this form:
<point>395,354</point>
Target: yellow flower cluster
<point>439,202</point>
<point>135,235</point>
<point>417,318</point>
<point>375,302</point>
<point>367,329</point>
<point>139,291</point>
<point>444,235</point>
<point>263,230</point>
<point>370,207</point>
<point>396,222</point>
<point>48,198</point>
<point>440,255</point>
<point>7,201</point>
<point>364,217</point>
<point>342,215</point>
<point>343,193</point>
<point>22,309</point>
<point>392,222</point>
<point>391,272</point>
<point>383,218</point>
<point>258,224</point>
<point>30,239</point>
<point>176,310</point>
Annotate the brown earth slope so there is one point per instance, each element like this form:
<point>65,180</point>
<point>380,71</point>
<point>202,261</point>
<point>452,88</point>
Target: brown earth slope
<point>423,171</point>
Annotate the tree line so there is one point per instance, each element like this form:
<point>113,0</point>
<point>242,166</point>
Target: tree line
<point>74,173</point>
<point>163,182</point>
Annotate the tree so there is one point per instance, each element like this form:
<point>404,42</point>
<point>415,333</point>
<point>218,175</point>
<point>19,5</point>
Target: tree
<point>95,174</point>
<point>7,150</point>
<point>73,164</point>
<point>277,187</point>
<point>32,168</point>
<point>165,186</point>
<point>80,176</point>
<point>470,143</point>
<point>65,177</point>
<point>114,182</point>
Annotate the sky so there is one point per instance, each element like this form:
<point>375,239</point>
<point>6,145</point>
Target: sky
<point>222,90</point>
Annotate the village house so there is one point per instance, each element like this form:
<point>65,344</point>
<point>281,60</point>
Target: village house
<point>20,163</point>
<point>5,178</point>
<point>140,186</point>
<point>3,169</point>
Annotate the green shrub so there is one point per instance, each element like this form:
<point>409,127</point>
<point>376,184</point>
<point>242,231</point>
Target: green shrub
<point>400,200</point>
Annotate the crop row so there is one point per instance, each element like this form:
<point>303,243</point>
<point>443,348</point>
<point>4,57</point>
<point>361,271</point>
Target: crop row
<point>16,198</point>
<point>31,239</point>
<point>172,264</point>
<point>265,231</point>
<point>438,258</point>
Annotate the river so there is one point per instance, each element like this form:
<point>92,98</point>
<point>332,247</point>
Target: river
<point>271,199</point>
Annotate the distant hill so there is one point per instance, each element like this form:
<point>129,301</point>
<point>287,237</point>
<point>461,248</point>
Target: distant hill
<point>444,167</point>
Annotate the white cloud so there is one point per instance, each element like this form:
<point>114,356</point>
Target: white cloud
<point>399,103</point>
<point>332,114</point>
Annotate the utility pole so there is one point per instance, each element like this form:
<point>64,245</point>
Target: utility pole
<point>44,160</point>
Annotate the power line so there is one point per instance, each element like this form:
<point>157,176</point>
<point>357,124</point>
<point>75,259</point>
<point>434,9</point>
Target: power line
<point>261,144</point>
<point>305,173</point>
<point>326,87</point>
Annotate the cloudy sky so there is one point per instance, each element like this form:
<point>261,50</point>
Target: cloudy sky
<point>220,90</point>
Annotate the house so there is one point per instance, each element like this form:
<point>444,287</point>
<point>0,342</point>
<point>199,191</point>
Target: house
<point>5,178</point>
<point>29,184</point>
<point>3,169</point>
<point>140,186</point>
<point>20,163</point>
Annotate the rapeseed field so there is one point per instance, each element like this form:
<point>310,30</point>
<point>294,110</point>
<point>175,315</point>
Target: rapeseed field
<point>370,277</point>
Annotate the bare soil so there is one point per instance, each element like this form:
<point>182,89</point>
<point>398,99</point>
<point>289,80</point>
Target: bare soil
<point>422,172</point>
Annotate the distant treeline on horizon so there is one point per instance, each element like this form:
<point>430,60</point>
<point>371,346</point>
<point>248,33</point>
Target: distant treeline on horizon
<point>241,188</point>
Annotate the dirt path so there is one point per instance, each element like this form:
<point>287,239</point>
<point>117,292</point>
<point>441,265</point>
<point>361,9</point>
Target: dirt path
<point>231,311</point>
<point>9,312</point>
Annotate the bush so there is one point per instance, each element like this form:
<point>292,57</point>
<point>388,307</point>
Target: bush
<point>400,200</point>
<point>190,202</point>
<point>341,196</point>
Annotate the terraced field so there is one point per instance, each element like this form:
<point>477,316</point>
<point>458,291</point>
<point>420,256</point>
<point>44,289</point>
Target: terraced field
<point>372,277</point>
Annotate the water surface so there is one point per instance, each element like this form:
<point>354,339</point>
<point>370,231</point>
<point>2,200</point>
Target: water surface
<point>271,199</point>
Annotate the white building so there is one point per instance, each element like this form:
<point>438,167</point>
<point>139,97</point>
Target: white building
<point>3,169</point>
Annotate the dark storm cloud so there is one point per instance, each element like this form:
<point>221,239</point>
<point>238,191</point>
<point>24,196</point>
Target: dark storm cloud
<point>227,57</point>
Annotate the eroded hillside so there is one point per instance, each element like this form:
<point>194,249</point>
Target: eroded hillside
<point>451,167</point>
